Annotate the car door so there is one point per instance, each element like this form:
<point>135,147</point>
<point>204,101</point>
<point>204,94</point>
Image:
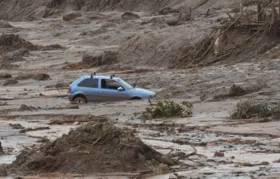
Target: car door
<point>110,92</point>
<point>89,87</point>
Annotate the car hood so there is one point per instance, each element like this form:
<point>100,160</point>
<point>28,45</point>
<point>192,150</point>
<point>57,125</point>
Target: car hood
<point>141,90</point>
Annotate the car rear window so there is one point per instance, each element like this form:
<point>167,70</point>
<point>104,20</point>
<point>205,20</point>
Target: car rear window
<point>90,83</point>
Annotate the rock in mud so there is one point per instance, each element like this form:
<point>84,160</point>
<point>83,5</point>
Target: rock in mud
<point>3,170</point>
<point>41,77</point>
<point>5,75</point>
<point>71,15</point>
<point>219,154</point>
<point>5,24</point>
<point>130,16</point>
<point>86,149</point>
<point>24,107</point>
<point>10,82</point>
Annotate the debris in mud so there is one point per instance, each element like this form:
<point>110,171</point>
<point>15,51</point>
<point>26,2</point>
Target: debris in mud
<point>43,140</point>
<point>41,77</point>
<point>71,15</point>
<point>10,82</point>
<point>3,170</point>
<point>67,107</point>
<point>11,42</point>
<point>59,85</point>
<point>36,76</point>
<point>1,150</point>
<point>236,90</point>
<point>72,119</point>
<point>244,164</point>
<point>5,24</point>
<point>168,10</point>
<point>93,59</point>
<point>3,103</point>
<point>5,75</point>
<point>16,126</point>
<point>24,107</point>
<point>91,148</point>
<point>51,47</point>
<point>19,47</point>
<point>130,16</point>
<point>17,55</point>
<point>34,129</point>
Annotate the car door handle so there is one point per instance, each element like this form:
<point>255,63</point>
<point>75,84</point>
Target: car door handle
<point>101,91</point>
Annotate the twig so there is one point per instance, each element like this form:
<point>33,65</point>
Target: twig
<point>193,153</point>
<point>96,141</point>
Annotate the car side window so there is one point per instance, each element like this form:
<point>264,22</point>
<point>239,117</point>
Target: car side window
<point>110,84</point>
<point>89,83</point>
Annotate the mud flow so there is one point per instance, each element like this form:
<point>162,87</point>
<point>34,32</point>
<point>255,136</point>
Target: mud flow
<point>214,66</point>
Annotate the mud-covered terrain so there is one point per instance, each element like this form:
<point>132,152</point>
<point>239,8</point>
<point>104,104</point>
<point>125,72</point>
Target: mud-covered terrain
<point>168,46</point>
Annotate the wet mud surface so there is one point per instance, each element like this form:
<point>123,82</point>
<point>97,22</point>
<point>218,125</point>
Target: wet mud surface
<point>45,55</point>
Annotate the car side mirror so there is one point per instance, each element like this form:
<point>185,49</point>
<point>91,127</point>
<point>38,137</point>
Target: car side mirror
<point>120,89</point>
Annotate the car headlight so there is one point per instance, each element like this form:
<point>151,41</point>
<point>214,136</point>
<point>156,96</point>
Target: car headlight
<point>152,96</point>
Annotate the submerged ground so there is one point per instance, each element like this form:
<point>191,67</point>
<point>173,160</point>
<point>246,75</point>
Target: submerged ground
<point>150,49</point>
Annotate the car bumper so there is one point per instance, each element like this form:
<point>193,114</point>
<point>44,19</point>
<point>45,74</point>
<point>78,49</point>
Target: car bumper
<point>70,97</point>
<point>152,96</point>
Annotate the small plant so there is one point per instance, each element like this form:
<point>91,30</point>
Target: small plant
<point>168,109</point>
<point>249,109</point>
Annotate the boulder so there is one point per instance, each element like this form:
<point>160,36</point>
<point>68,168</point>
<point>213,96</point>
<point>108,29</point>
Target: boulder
<point>71,15</point>
<point>130,16</point>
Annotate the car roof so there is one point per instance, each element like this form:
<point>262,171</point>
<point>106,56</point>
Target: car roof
<point>99,76</point>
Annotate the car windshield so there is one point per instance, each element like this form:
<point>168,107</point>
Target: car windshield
<point>125,84</point>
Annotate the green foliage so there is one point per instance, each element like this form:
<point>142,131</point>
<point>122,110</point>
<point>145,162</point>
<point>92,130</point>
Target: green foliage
<point>168,109</point>
<point>249,109</point>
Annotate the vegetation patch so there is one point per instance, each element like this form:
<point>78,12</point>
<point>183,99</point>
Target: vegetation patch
<point>168,109</point>
<point>249,109</point>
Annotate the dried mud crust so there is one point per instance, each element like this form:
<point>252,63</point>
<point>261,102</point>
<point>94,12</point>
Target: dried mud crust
<point>92,148</point>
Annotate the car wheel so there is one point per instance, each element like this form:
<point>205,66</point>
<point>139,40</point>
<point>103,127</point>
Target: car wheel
<point>80,100</point>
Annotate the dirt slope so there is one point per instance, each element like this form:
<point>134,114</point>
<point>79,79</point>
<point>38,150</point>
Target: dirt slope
<point>17,10</point>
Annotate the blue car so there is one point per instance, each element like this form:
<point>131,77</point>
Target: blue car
<point>94,88</point>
